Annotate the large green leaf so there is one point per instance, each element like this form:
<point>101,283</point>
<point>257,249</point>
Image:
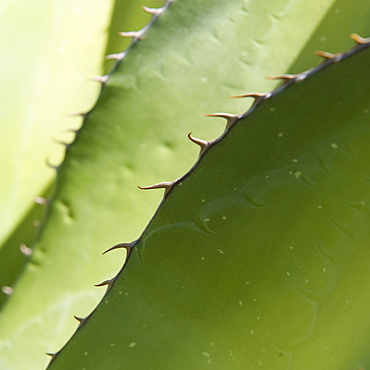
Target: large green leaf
<point>188,62</point>
<point>48,50</point>
<point>254,258</point>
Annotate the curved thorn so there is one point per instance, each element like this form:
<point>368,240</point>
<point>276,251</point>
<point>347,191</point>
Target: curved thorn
<point>25,250</point>
<point>203,144</point>
<point>167,186</point>
<point>154,11</point>
<point>284,77</point>
<point>101,79</point>
<point>250,95</point>
<point>358,39</point>
<point>52,355</point>
<point>325,54</point>
<point>80,320</point>
<point>108,283</point>
<point>133,34</point>
<point>127,246</point>
<point>230,118</point>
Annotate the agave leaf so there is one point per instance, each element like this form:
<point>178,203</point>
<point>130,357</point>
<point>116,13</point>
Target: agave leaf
<point>48,52</point>
<point>261,264</point>
<point>196,54</point>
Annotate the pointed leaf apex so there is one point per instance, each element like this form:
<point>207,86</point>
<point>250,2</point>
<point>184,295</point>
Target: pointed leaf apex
<point>127,246</point>
<point>359,40</point>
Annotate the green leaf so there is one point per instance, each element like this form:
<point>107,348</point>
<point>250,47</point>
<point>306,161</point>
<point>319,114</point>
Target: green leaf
<point>195,55</point>
<point>49,50</point>
<point>255,257</point>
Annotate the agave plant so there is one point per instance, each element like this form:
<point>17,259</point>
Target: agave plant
<point>257,255</point>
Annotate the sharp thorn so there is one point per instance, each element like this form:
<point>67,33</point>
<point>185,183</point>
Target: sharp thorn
<point>325,55</point>
<point>359,40</point>
<point>250,95</point>
<point>101,79</point>
<point>285,77</point>
<point>25,250</point>
<point>80,320</point>
<point>127,246</point>
<point>162,185</point>
<point>134,34</point>
<point>108,283</point>
<point>7,290</point>
<point>230,118</point>
<point>154,11</point>
<point>52,355</point>
<point>203,144</point>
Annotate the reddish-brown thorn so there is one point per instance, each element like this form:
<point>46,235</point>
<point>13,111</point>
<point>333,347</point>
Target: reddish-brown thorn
<point>325,54</point>
<point>230,118</point>
<point>285,77</point>
<point>126,246</point>
<point>153,11</point>
<point>7,290</point>
<point>360,40</point>
<point>203,144</point>
<point>167,186</point>
<point>101,79</point>
<point>40,200</point>
<point>133,34</point>
<point>25,250</point>
<point>250,95</point>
